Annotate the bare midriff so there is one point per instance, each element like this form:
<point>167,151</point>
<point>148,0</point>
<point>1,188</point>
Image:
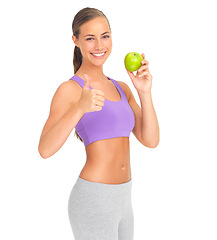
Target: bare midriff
<point>108,161</point>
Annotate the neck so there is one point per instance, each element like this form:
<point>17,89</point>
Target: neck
<point>94,72</point>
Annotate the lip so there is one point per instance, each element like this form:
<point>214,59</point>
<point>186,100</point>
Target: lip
<point>99,57</point>
<point>98,52</point>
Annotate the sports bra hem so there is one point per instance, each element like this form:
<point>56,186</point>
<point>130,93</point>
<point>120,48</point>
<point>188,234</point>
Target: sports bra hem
<point>109,135</point>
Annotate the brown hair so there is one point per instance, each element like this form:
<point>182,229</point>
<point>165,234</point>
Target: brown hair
<point>83,16</point>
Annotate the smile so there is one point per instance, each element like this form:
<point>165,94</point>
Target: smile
<point>98,55</point>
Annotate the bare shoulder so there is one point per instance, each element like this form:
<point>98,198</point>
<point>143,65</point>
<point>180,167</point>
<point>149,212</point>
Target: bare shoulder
<point>69,87</point>
<point>67,92</point>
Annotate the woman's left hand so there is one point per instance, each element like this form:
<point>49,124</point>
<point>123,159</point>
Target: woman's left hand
<point>143,79</point>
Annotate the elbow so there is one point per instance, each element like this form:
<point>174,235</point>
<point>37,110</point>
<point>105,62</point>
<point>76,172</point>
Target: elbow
<point>42,153</point>
<point>43,156</point>
<point>151,144</point>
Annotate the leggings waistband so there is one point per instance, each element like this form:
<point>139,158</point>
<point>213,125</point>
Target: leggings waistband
<point>95,186</point>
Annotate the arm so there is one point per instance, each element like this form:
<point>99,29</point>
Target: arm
<point>63,117</point>
<point>150,126</point>
<point>146,127</point>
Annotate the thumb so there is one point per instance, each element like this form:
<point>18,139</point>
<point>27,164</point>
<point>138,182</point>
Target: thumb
<point>131,75</point>
<point>87,81</point>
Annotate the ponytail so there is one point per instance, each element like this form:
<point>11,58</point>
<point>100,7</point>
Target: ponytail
<point>77,60</point>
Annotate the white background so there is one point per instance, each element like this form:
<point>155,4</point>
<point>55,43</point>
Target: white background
<point>174,190</point>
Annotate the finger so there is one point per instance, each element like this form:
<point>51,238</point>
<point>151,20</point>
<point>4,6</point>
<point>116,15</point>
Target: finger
<point>130,74</point>
<point>144,62</point>
<point>143,74</point>
<point>86,81</point>
<point>143,68</point>
<point>86,77</point>
<point>100,98</point>
<point>98,92</point>
<point>99,103</point>
<point>98,108</point>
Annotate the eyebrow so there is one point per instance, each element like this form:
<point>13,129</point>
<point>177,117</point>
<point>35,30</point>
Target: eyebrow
<point>94,35</point>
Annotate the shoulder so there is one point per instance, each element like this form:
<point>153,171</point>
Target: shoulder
<point>126,89</point>
<point>67,92</point>
<point>69,87</point>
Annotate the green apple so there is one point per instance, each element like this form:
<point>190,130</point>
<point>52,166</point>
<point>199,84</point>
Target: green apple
<point>132,61</point>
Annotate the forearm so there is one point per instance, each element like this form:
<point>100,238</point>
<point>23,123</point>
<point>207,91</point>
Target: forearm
<point>150,126</point>
<point>53,139</point>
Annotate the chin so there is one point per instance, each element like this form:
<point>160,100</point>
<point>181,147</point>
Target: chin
<point>99,62</point>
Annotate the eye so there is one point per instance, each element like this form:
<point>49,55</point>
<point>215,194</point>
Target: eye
<point>89,39</point>
<point>106,36</point>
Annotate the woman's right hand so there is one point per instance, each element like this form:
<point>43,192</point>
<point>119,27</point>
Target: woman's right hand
<point>91,100</point>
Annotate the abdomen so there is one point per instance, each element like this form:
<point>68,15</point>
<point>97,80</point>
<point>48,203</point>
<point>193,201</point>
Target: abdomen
<point>108,161</point>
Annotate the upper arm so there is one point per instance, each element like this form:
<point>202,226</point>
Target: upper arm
<point>137,130</point>
<point>65,95</point>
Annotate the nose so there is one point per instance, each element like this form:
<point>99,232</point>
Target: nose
<point>98,45</point>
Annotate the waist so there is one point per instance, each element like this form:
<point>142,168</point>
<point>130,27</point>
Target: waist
<point>110,172</point>
<point>108,161</point>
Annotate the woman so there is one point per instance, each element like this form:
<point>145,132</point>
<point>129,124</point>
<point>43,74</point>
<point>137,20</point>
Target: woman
<point>103,112</point>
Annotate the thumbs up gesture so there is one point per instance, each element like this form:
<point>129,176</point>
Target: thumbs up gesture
<point>91,100</point>
<point>87,82</point>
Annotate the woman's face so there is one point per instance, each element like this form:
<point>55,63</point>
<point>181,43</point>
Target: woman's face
<point>94,38</point>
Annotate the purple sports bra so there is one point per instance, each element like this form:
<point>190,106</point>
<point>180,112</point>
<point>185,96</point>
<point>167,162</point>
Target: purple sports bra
<point>116,119</point>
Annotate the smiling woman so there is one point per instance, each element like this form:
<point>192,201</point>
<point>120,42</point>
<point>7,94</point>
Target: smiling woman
<point>103,113</point>
<point>93,45</point>
<point>92,38</point>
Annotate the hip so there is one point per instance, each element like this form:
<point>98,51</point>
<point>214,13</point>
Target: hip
<point>93,197</point>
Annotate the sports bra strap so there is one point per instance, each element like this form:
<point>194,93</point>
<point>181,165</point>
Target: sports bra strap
<point>78,80</point>
<point>81,82</point>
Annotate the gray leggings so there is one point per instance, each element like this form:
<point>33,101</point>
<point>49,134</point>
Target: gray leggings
<point>99,211</point>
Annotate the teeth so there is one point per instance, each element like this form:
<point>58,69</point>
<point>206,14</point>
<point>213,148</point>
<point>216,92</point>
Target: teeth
<point>98,55</point>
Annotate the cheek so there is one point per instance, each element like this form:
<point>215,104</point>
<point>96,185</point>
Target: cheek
<point>109,44</point>
<point>86,48</point>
